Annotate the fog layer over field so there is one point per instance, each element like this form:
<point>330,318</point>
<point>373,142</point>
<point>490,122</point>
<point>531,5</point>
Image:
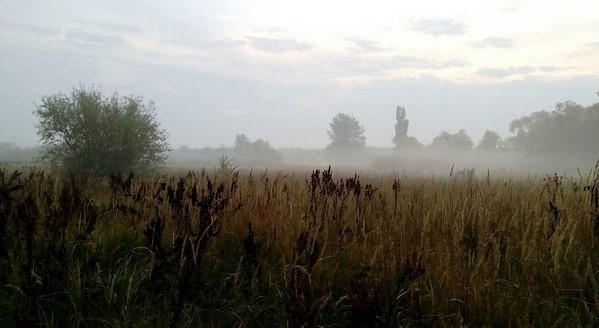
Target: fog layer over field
<point>414,162</point>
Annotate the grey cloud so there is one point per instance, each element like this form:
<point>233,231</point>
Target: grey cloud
<point>41,30</point>
<point>277,45</point>
<point>439,26</point>
<point>205,43</point>
<point>36,29</point>
<point>549,68</point>
<point>496,42</point>
<point>504,72</point>
<point>415,62</point>
<point>119,28</point>
<point>274,45</point>
<point>593,45</point>
<point>374,66</point>
<point>81,37</point>
<point>408,62</point>
<point>586,49</point>
<point>364,46</point>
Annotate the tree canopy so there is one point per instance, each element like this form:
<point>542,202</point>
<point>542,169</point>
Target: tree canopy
<point>88,132</point>
<point>258,152</point>
<point>569,129</point>
<point>491,141</point>
<point>346,133</point>
<point>457,141</point>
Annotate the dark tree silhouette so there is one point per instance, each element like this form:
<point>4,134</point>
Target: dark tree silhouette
<point>401,140</point>
<point>346,133</point>
<point>401,126</point>
<point>258,152</point>
<point>569,129</point>
<point>447,141</point>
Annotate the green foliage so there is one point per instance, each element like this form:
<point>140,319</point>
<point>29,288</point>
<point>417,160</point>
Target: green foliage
<point>569,129</point>
<point>346,133</point>
<point>491,141</point>
<point>459,141</point>
<point>88,132</point>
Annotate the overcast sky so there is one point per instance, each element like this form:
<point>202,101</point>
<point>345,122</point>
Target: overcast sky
<point>280,70</point>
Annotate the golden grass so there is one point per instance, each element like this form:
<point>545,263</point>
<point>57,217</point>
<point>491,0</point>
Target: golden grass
<point>308,249</point>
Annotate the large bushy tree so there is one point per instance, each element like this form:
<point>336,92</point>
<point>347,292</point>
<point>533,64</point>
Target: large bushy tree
<point>346,133</point>
<point>91,133</point>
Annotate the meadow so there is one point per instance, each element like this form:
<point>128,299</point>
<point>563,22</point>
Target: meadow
<point>220,248</point>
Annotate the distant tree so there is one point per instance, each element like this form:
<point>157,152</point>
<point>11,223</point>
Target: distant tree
<point>258,152</point>
<point>569,129</point>
<point>11,153</point>
<point>401,140</point>
<point>264,153</point>
<point>4,145</point>
<point>401,126</point>
<point>241,141</point>
<point>346,133</point>
<point>87,132</point>
<point>491,141</point>
<point>242,146</point>
<point>447,141</point>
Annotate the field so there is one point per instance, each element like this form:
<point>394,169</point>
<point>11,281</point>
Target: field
<point>312,248</point>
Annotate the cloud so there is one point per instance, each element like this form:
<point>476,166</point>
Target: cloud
<point>376,65</point>
<point>586,49</point>
<point>592,45</point>
<point>119,28</point>
<point>40,30</point>
<point>423,63</point>
<point>234,111</point>
<point>277,45</point>
<point>496,42</point>
<point>505,72</point>
<point>549,68</point>
<point>439,26</point>
<point>359,45</point>
<point>85,38</point>
<point>362,70</point>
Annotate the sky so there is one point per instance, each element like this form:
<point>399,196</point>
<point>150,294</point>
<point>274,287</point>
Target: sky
<point>280,70</point>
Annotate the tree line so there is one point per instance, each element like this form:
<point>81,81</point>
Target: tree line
<point>569,129</point>
<point>95,134</point>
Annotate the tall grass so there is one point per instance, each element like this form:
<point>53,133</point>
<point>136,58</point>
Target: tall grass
<point>298,250</point>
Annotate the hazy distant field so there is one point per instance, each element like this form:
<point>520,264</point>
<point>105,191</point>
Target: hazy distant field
<point>299,248</point>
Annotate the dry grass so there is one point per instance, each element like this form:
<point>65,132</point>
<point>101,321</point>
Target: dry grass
<point>299,249</point>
